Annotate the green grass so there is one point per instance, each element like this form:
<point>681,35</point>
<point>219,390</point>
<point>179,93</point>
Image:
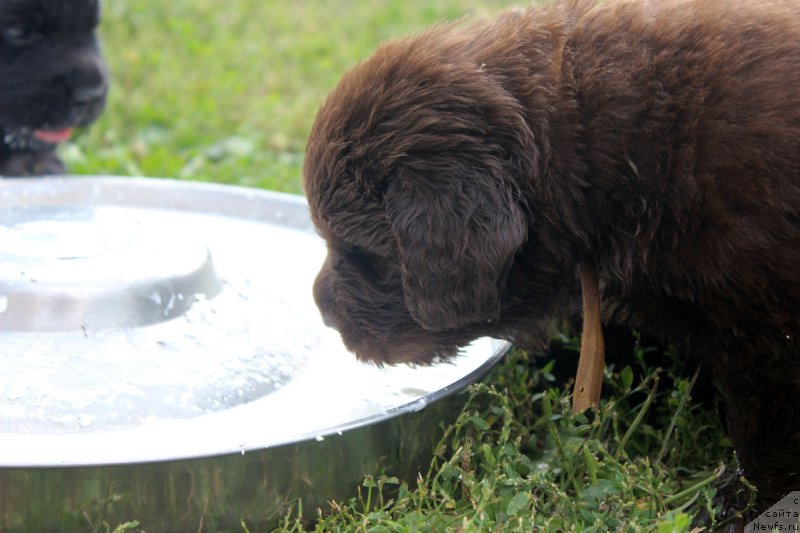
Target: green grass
<point>517,460</point>
<point>227,92</point>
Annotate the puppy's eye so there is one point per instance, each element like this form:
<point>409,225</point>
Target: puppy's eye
<point>370,265</point>
<point>20,35</point>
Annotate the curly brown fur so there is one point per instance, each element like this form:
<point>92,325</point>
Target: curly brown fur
<point>52,78</point>
<point>460,177</point>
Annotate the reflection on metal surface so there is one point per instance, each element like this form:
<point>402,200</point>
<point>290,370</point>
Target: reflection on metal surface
<point>189,383</point>
<point>76,267</point>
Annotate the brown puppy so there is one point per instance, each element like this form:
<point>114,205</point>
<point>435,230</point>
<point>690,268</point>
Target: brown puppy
<point>462,176</point>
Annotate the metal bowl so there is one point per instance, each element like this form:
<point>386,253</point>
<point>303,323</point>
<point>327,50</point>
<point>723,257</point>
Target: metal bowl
<point>161,359</point>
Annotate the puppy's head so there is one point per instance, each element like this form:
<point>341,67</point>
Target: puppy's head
<point>414,174</point>
<point>52,75</point>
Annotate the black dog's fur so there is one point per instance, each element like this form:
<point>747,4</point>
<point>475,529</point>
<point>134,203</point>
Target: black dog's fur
<point>459,178</point>
<point>52,77</point>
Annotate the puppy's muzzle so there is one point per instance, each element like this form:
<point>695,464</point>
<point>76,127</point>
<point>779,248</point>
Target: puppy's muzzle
<point>88,82</point>
<point>87,96</point>
<point>323,295</point>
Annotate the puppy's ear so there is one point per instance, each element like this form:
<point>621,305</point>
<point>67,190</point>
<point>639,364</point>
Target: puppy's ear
<point>457,239</point>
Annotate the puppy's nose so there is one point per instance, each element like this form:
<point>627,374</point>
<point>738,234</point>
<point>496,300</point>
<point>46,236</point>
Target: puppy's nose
<point>88,93</point>
<point>327,320</point>
<point>89,83</point>
<point>88,78</point>
<point>325,305</point>
<point>323,297</point>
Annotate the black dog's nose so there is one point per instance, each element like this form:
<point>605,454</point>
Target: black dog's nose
<point>89,93</point>
<point>88,80</point>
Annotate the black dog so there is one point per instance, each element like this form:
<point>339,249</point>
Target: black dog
<point>463,177</point>
<point>52,79</point>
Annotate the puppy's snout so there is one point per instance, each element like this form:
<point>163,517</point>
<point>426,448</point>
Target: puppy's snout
<point>328,321</point>
<point>88,83</point>
<point>89,93</point>
<point>323,296</point>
